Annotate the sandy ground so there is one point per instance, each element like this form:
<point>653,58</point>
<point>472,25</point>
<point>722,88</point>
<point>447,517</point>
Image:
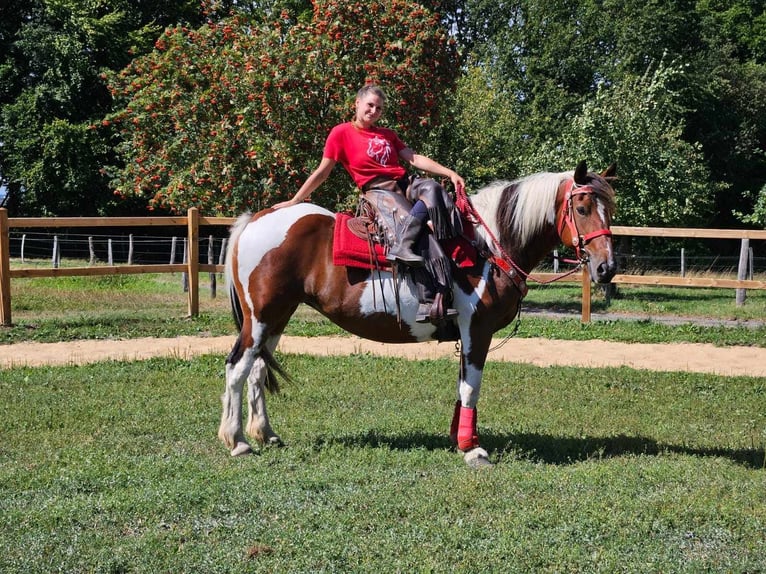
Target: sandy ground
<point>728,361</point>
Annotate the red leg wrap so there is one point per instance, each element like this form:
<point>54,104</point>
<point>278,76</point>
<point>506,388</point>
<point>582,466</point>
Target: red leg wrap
<point>467,435</point>
<point>454,424</point>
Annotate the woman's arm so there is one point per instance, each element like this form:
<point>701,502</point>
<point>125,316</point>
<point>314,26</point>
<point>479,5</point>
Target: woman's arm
<point>428,165</point>
<point>317,178</point>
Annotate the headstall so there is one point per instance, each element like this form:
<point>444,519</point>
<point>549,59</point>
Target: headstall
<point>566,220</point>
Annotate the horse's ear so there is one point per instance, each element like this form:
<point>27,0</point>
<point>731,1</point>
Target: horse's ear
<point>610,173</point>
<point>581,173</point>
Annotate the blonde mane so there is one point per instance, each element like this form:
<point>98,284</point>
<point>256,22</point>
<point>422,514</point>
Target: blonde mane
<point>519,209</point>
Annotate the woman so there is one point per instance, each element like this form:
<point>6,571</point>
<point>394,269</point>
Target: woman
<point>371,154</point>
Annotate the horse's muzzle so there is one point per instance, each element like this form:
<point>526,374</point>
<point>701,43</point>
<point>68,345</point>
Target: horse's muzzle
<point>604,271</point>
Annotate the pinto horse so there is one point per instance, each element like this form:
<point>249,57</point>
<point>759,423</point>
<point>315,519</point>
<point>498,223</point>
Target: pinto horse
<point>277,260</point>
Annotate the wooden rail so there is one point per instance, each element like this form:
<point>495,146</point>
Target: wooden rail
<point>193,220</point>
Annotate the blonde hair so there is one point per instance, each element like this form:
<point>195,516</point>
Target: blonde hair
<point>371,88</point>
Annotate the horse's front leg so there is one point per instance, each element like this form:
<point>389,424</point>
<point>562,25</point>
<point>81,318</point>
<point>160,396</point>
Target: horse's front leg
<point>463,430</point>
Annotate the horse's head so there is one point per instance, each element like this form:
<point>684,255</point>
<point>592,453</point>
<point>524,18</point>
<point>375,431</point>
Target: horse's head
<point>585,205</point>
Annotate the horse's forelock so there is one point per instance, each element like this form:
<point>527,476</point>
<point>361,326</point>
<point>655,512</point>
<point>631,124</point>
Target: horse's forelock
<point>604,194</point>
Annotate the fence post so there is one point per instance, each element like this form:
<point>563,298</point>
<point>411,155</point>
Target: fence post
<point>91,251</point>
<point>173,250</point>
<point>5,269</point>
<point>193,265</point>
<point>742,271</point>
<point>211,261</point>
<point>56,257</point>
<point>585,296</point>
<point>130,249</point>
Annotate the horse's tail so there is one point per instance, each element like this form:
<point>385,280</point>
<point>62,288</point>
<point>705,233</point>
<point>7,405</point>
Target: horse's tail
<point>234,233</point>
<point>273,368</point>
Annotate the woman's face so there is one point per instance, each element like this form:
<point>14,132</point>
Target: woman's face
<point>369,108</point>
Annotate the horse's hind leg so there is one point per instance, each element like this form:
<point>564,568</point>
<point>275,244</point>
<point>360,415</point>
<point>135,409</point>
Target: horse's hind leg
<point>238,367</point>
<point>258,425</point>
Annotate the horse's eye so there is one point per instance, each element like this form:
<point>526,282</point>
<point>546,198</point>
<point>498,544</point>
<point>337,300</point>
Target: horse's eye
<point>581,210</point>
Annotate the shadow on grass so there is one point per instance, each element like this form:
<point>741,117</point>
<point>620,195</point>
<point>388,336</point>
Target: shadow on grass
<point>567,450</point>
<point>548,449</point>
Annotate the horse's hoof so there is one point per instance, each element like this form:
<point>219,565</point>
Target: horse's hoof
<point>477,458</point>
<point>241,449</point>
<point>275,441</point>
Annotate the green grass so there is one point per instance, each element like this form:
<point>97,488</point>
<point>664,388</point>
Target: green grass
<point>695,302</point>
<point>126,306</point>
<point>115,467</point>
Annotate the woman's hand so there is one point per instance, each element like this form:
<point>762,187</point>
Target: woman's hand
<point>457,182</point>
<point>283,204</point>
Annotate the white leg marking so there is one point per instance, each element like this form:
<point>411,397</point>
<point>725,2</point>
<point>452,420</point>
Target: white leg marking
<point>469,389</point>
<point>230,430</point>
<point>258,425</point>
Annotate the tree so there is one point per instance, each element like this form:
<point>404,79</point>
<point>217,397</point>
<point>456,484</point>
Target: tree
<point>52,53</point>
<point>233,115</point>
<point>662,180</point>
<point>554,55</point>
<point>483,141</point>
<point>757,216</point>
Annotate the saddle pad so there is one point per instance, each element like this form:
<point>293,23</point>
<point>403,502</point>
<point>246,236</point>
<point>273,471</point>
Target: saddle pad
<point>461,251</point>
<point>352,251</point>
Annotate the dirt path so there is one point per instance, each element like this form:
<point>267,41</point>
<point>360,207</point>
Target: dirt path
<point>729,361</point>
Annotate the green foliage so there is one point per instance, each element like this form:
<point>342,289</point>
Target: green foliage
<point>638,123</point>
<point>535,67</point>
<point>556,58</point>
<point>484,139</point>
<point>758,215</point>
<point>51,58</point>
<point>232,116</point>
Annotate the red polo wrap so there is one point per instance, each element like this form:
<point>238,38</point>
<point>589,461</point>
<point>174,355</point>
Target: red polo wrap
<point>467,435</point>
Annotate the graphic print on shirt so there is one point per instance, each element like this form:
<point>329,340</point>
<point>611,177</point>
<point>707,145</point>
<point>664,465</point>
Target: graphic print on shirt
<point>379,149</point>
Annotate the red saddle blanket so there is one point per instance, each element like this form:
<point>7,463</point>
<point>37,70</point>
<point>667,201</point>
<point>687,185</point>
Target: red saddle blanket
<point>353,251</point>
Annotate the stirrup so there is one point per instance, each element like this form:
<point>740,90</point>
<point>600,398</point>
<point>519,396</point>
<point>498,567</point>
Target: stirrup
<point>428,314</point>
<point>424,313</point>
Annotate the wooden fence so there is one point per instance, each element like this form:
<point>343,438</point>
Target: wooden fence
<point>744,235</point>
<point>193,220</point>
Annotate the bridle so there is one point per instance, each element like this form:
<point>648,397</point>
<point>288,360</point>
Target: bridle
<point>566,220</point>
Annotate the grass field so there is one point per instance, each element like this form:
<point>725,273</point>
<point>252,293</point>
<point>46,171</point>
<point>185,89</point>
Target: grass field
<point>115,467</point>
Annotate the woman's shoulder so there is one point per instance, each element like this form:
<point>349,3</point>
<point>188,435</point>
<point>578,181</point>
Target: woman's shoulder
<point>342,127</point>
<point>386,131</point>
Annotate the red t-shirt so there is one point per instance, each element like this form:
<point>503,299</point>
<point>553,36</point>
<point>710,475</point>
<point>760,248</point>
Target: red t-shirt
<point>365,153</point>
